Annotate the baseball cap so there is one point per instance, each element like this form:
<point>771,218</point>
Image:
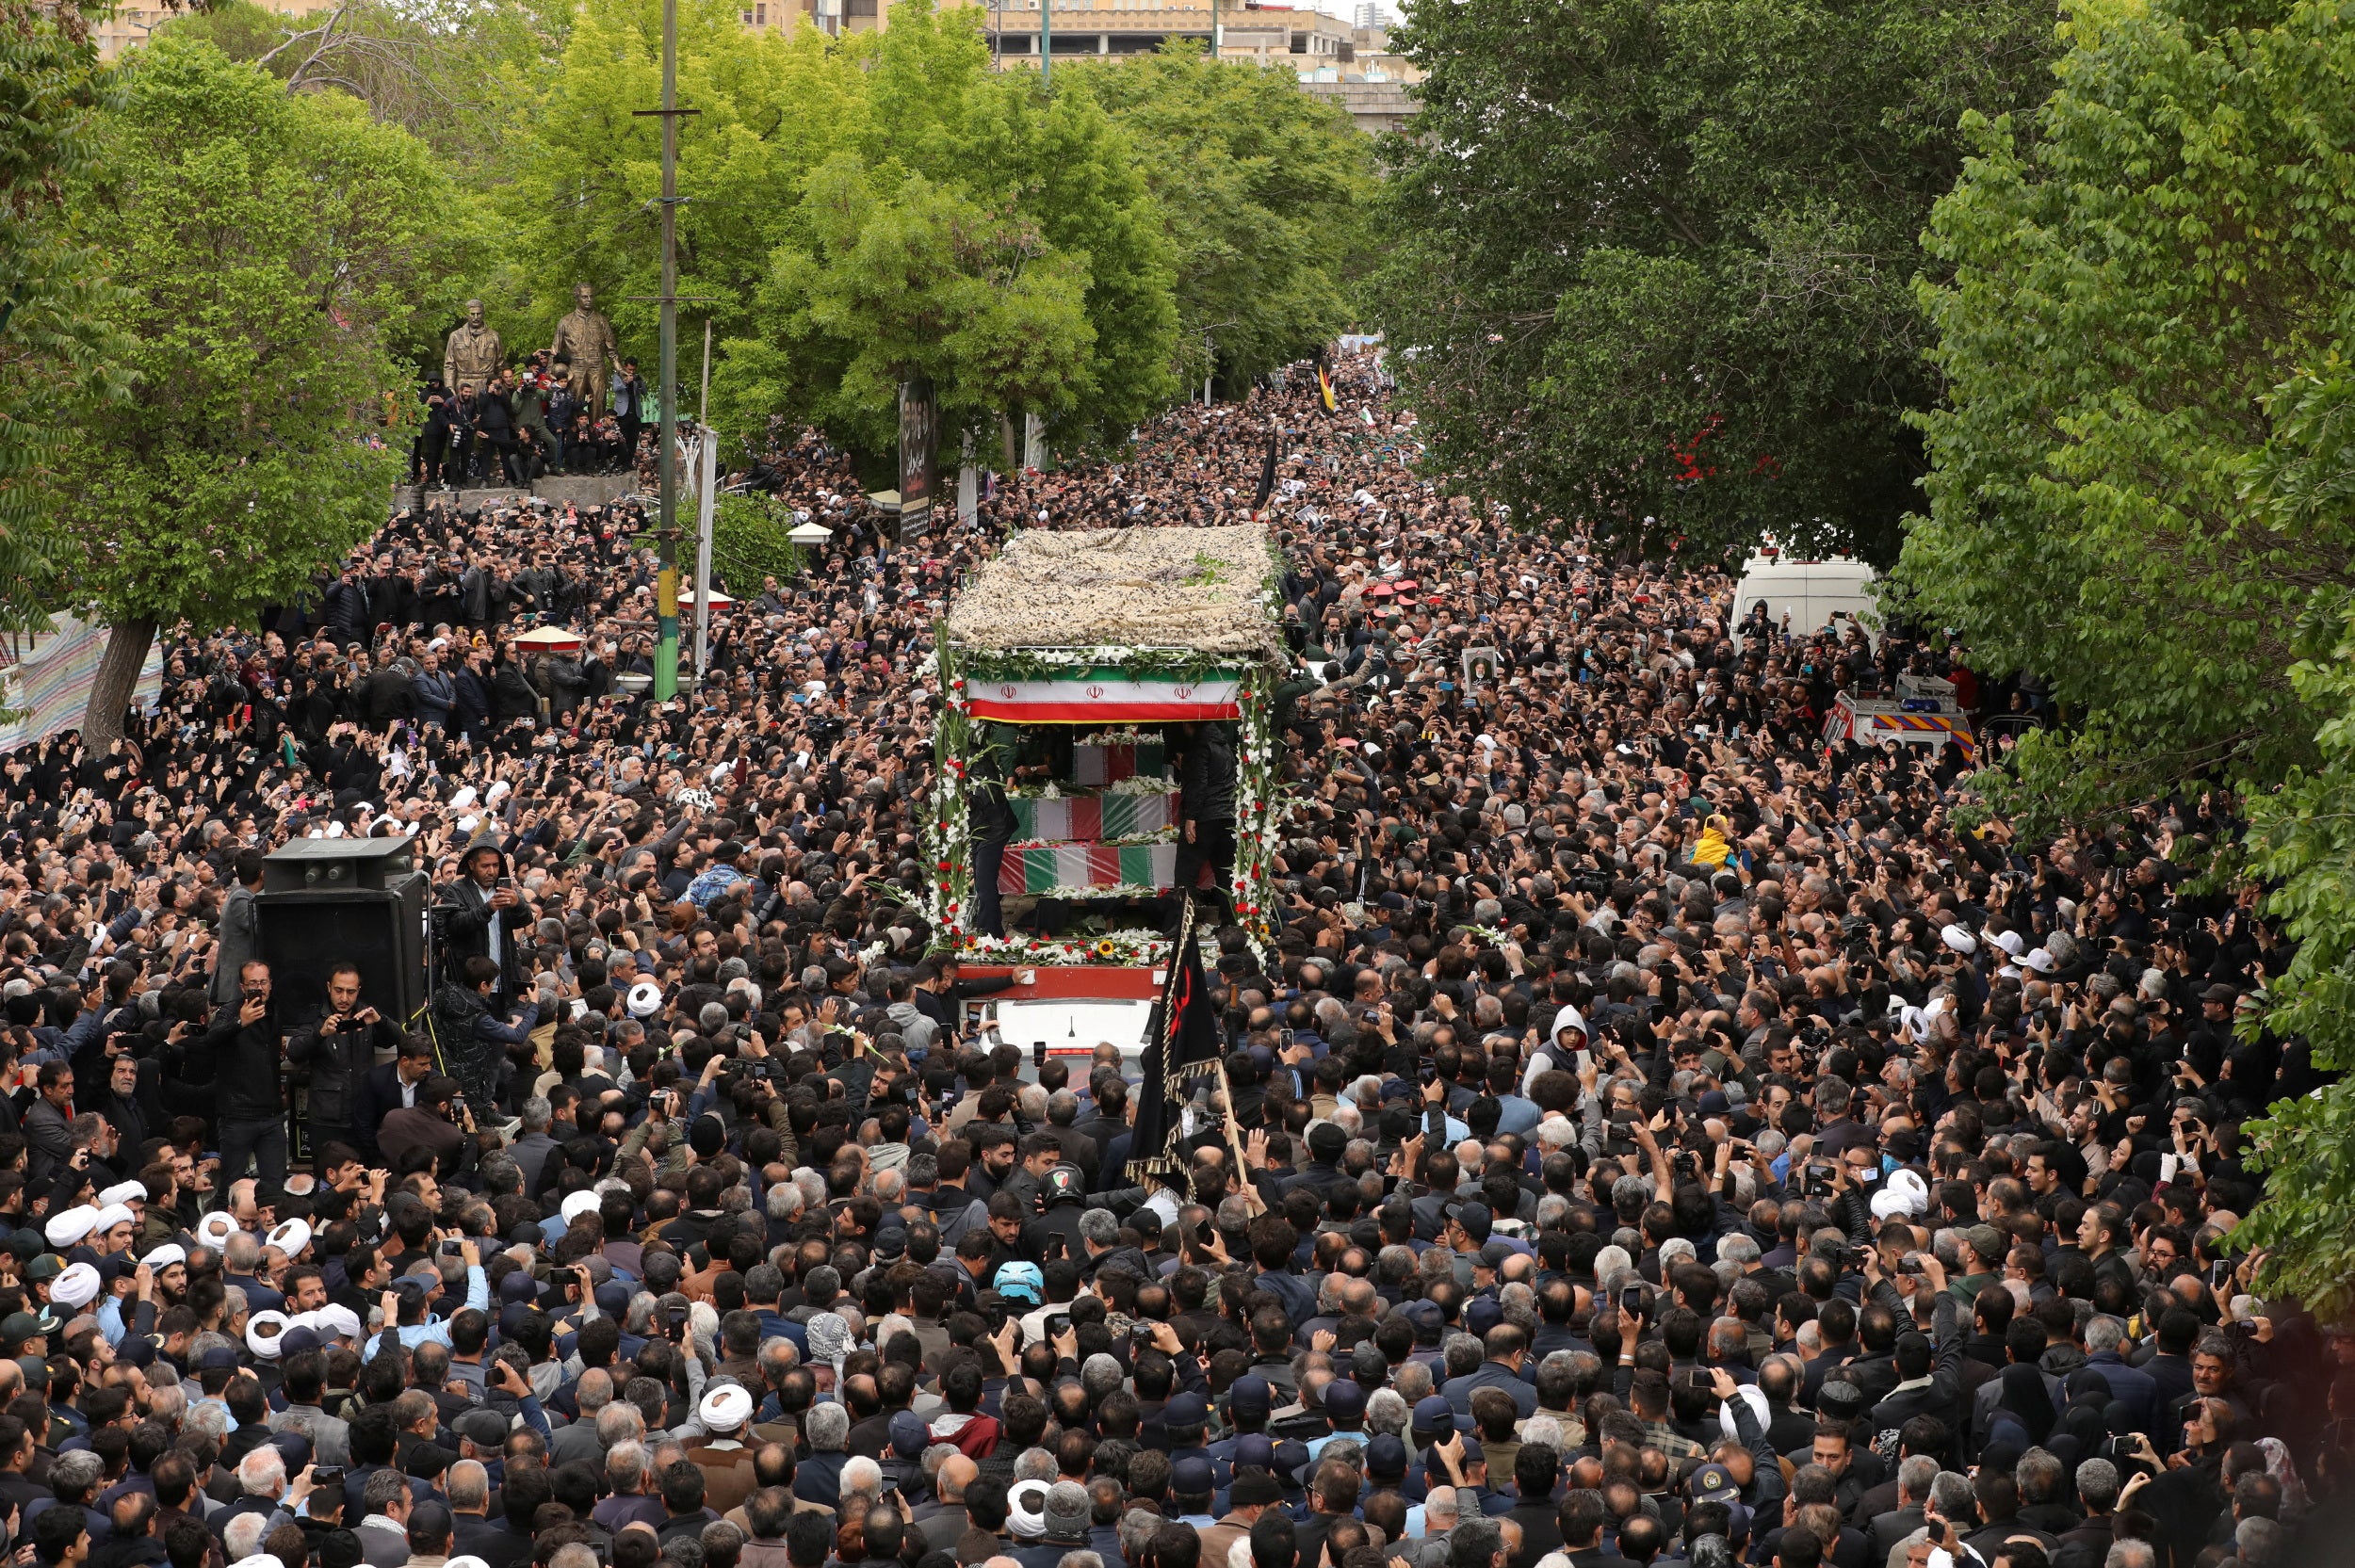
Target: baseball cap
<point>1250,1393</point>
<point>1190,1476</point>
<point>1185,1410</point>
<point>1256,1488</point>
<point>1434,1414</point>
<point>1713,1483</point>
<point>1344,1401</point>
<point>1385,1458</point>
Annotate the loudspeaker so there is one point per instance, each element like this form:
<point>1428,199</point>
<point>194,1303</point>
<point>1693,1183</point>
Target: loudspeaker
<point>337,862</point>
<point>380,931</point>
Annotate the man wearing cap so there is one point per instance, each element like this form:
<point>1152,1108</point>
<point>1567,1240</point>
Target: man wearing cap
<point>1251,1493</point>
<point>726,1464</point>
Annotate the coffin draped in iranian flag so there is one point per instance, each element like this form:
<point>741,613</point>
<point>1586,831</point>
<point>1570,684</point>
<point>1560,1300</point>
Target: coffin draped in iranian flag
<point>1121,634</point>
<point>1107,696</point>
<point>1094,817</point>
<point>1034,869</point>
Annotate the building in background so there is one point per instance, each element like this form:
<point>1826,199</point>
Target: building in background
<point>1349,64</point>
<point>132,20</point>
<point>832,17</point>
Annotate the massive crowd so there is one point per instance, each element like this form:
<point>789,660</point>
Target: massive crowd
<point>1655,1138</point>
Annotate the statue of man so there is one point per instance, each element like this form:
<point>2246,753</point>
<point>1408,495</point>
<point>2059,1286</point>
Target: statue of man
<point>586,338</point>
<point>473,354</point>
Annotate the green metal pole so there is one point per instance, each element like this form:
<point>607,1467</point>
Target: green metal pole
<point>666,536</point>
<point>1047,44</point>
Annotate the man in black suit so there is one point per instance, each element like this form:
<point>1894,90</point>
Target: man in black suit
<point>1581,1516</point>
<point>488,919</point>
<point>1536,1468</point>
<point>1914,1475</point>
<point>390,1086</point>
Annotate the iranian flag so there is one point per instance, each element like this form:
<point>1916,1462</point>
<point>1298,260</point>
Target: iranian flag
<point>1096,817</point>
<point>1046,866</point>
<point>1106,697</point>
<point>1109,765</point>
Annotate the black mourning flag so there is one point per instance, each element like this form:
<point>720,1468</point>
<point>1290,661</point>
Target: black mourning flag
<point>1267,469</point>
<point>1181,1047</point>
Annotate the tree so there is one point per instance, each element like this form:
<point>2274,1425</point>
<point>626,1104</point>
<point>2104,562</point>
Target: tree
<point>2137,274</point>
<point>1265,191</point>
<point>2139,487</point>
<point>1654,255</point>
<point>266,245</point>
<point>577,174</point>
<point>970,230</point>
<point>54,343</point>
<point>443,69</point>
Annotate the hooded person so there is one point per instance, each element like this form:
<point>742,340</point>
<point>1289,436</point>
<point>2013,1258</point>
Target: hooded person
<point>1568,1036</point>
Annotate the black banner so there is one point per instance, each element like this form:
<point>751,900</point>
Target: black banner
<point>1181,1048</point>
<point>919,439</point>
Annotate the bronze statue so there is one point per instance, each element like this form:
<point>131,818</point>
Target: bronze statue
<point>473,354</point>
<point>586,338</point>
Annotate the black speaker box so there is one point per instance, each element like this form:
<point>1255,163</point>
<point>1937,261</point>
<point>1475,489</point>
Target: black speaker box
<point>337,862</point>
<point>379,929</point>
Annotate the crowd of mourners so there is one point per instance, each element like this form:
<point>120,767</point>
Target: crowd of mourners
<point>1652,1136</point>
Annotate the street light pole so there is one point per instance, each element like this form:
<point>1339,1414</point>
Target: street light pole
<point>666,536</point>
<point>1047,45</point>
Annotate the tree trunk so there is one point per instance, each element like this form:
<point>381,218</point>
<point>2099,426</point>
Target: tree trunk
<point>127,642</point>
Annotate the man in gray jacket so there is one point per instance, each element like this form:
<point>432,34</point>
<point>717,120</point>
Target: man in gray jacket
<point>239,939</point>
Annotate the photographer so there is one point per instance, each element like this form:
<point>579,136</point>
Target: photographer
<point>439,1122</point>
<point>339,1047</point>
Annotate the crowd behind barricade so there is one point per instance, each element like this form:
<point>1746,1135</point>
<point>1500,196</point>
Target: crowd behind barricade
<point>1652,1137</point>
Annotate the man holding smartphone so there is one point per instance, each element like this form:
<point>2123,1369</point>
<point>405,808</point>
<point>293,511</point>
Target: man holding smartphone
<point>487,917</point>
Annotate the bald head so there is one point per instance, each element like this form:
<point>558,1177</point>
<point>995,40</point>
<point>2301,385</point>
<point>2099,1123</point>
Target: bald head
<point>956,1473</point>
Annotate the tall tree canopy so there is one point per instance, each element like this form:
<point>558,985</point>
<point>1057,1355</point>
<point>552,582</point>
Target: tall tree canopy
<point>1266,194</point>
<point>2139,477</point>
<point>266,246</point>
<point>1654,256</point>
<point>55,343</point>
<point>971,230</point>
<point>2140,480</point>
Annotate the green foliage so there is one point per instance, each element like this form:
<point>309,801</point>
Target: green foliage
<point>2138,476</point>
<point>1265,191</point>
<point>2302,840</point>
<point>54,343</point>
<point>438,67</point>
<point>1655,255</point>
<point>749,542</point>
<point>266,244</point>
<point>577,174</point>
<point>968,230</point>
<point>2141,483</point>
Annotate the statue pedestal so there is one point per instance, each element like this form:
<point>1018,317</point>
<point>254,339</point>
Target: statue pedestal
<point>585,489</point>
<point>557,490</point>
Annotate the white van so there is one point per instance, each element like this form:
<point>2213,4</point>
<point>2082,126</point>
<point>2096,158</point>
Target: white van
<point>1810,591</point>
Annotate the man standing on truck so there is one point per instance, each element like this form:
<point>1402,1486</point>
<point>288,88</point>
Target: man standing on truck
<point>1205,807</point>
